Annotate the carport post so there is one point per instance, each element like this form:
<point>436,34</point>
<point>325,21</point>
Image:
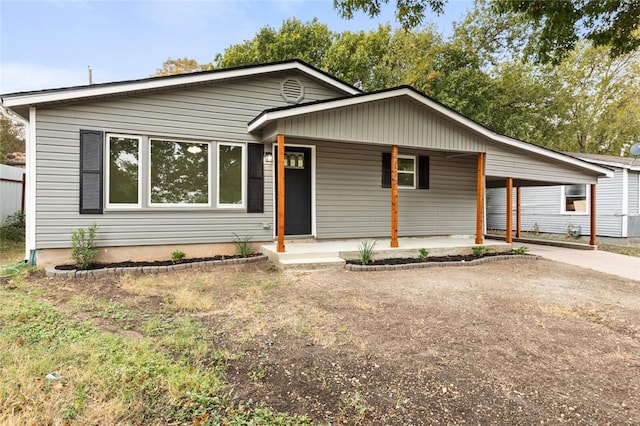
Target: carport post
<point>518,212</point>
<point>480,199</point>
<point>394,196</point>
<point>508,234</point>
<point>280,200</point>
<point>592,237</point>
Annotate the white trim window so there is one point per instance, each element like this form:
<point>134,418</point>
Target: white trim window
<point>407,171</point>
<point>231,175</point>
<point>123,171</point>
<point>575,199</point>
<point>179,173</point>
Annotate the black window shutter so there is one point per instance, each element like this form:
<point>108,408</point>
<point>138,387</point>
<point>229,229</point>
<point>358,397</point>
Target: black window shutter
<point>91,147</point>
<point>386,170</point>
<point>255,178</point>
<point>423,172</point>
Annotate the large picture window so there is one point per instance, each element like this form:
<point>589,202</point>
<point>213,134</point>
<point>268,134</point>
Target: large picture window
<point>179,172</point>
<point>230,175</point>
<point>574,199</point>
<point>123,171</point>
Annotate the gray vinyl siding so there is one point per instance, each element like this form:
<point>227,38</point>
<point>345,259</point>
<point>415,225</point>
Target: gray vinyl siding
<point>633,224</point>
<point>352,203</point>
<point>542,206</point>
<point>393,121</point>
<point>216,112</point>
<point>503,161</point>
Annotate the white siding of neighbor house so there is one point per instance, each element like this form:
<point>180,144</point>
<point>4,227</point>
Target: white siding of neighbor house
<point>502,161</point>
<point>399,121</point>
<point>216,112</point>
<point>633,222</point>
<point>352,203</point>
<point>542,206</point>
<point>10,191</point>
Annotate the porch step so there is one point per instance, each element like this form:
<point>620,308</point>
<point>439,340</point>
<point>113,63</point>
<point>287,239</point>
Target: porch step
<point>311,263</point>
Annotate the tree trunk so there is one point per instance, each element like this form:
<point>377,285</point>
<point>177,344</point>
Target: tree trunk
<point>582,143</point>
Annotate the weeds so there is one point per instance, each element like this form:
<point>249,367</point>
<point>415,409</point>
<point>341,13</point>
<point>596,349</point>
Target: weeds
<point>480,250</point>
<point>83,251</point>
<point>520,250</point>
<point>366,250</point>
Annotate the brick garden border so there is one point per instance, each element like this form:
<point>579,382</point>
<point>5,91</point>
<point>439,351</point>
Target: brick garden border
<point>51,271</point>
<point>367,268</point>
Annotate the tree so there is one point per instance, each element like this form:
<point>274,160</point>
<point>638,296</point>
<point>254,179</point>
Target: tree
<point>558,24</point>
<point>11,138</point>
<point>294,39</point>
<point>410,13</point>
<point>180,66</point>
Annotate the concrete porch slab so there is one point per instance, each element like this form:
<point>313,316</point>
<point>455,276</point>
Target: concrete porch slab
<point>318,254</point>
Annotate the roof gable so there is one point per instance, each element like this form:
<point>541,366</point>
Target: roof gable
<point>126,87</point>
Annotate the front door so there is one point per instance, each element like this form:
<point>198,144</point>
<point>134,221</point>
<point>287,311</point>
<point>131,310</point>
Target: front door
<point>297,189</point>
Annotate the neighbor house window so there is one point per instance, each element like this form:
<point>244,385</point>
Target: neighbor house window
<point>123,171</point>
<point>178,172</point>
<point>406,171</point>
<point>230,175</point>
<point>574,199</point>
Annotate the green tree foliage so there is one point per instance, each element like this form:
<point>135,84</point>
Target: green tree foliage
<point>308,42</point>
<point>11,138</point>
<point>410,13</point>
<point>560,24</point>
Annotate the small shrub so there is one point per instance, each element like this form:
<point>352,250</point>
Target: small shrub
<point>177,255</point>
<point>480,250</point>
<point>366,251</point>
<point>520,250</point>
<point>243,248</point>
<point>13,228</point>
<point>83,250</point>
<point>423,253</point>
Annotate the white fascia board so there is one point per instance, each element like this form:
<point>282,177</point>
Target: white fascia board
<point>611,163</point>
<point>340,103</point>
<point>34,98</point>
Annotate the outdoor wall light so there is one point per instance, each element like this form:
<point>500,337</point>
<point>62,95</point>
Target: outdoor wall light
<point>268,157</point>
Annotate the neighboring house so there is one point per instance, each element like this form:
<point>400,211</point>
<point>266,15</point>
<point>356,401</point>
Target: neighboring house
<point>561,209</point>
<point>187,161</point>
<point>12,194</point>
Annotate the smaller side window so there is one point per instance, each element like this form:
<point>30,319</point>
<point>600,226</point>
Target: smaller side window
<point>123,171</point>
<point>575,199</point>
<point>406,171</point>
<point>231,175</point>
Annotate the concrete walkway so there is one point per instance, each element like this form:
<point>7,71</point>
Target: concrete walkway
<point>598,260</point>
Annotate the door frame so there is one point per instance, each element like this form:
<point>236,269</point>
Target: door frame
<point>274,145</point>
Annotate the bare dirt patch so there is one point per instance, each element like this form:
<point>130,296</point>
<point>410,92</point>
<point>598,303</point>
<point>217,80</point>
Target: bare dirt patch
<point>517,342</point>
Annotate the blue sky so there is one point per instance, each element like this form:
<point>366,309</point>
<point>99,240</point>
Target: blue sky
<point>49,43</point>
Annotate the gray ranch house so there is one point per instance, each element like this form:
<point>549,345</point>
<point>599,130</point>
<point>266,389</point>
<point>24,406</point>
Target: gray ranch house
<point>566,208</point>
<point>274,152</point>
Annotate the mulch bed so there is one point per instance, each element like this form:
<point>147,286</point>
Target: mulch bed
<point>449,258</point>
<point>130,264</point>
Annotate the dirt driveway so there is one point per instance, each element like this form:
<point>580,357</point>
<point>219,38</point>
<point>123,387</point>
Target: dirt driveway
<point>512,342</point>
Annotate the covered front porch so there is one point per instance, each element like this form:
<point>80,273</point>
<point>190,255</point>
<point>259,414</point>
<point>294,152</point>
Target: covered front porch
<point>314,254</point>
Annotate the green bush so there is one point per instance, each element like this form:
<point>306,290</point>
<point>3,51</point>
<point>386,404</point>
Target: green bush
<point>13,228</point>
<point>177,255</point>
<point>423,253</point>
<point>83,250</point>
<point>520,250</point>
<point>480,250</point>
<point>243,248</point>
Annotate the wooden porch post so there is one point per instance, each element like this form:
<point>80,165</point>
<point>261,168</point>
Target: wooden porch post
<point>280,201</point>
<point>518,212</point>
<point>394,196</point>
<point>480,199</point>
<point>592,237</point>
<point>508,234</point>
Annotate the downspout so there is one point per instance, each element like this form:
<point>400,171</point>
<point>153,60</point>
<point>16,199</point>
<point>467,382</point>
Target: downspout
<point>30,247</point>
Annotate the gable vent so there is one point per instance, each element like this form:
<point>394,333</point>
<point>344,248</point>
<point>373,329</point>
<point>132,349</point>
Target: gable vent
<point>292,91</point>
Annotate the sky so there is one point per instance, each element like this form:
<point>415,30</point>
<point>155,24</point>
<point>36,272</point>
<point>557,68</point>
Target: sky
<point>47,44</point>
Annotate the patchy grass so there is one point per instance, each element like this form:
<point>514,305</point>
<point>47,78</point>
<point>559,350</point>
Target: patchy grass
<point>11,252</point>
<point>170,376</point>
<point>628,249</point>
